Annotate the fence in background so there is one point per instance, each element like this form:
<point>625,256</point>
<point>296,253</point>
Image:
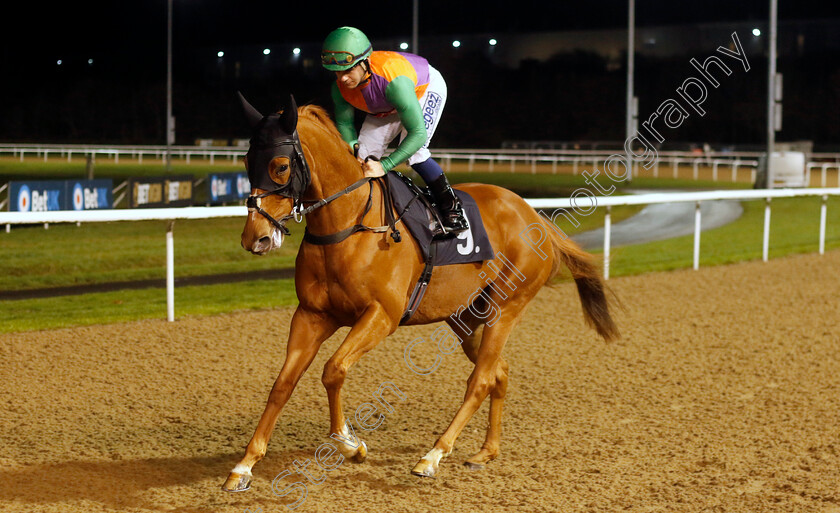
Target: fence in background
<point>69,151</point>
<point>724,165</point>
<point>698,197</point>
<point>173,214</point>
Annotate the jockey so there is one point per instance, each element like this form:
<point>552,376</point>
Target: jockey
<point>402,95</point>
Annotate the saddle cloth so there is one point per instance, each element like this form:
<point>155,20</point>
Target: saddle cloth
<point>471,245</point>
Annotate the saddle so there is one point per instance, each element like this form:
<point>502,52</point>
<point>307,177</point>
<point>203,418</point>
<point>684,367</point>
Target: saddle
<point>414,207</point>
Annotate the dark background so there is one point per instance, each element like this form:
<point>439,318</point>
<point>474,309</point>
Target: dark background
<point>576,96</point>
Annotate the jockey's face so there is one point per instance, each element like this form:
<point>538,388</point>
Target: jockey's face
<point>353,77</point>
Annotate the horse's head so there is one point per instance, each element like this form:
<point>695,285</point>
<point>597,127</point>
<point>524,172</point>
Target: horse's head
<point>278,173</point>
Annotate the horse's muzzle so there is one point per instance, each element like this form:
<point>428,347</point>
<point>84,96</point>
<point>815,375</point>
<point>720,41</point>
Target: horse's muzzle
<point>266,243</point>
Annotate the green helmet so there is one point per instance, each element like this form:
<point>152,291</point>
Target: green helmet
<point>344,48</point>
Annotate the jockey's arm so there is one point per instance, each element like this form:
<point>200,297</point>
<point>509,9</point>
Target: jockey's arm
<point>400,93</point>
<point>344,117</point>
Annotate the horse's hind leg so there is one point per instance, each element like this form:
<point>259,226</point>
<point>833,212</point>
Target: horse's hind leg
<point>481,382</point>
<point>492,441</point>
<point>308,330</point>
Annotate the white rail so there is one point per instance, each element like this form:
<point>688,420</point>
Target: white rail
<point>508,158</point>
<point>697,198</point>
<point>150,214</point>
<point>580,161</point>
<point>172,214</point>
<point>47,151</point>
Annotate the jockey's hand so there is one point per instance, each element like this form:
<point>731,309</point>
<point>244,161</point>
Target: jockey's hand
<point>372,168</point>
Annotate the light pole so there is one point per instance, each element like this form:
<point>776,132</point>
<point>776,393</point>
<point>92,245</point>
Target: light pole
<point>170,121</point>
<point>415,14</point>
<point>772,106</point>
<point>631,110</point>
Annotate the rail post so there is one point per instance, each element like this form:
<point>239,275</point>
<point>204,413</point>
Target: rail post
<point>170,272</point>
<point>607,227</point>
<point>697,224</point>
<point>89,165</point>
<point>822,223</point>
<point>765,245</point>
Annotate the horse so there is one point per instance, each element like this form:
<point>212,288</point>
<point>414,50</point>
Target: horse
<point>365,280</point>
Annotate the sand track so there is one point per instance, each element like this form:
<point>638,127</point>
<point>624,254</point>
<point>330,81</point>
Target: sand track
<point>723,395</point>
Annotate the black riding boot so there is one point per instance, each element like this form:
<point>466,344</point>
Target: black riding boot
<point>448,205</point>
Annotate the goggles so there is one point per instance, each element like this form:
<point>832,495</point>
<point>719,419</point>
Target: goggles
<point>341,58</point>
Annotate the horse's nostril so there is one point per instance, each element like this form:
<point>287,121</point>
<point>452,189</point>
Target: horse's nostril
<point>264,241</point>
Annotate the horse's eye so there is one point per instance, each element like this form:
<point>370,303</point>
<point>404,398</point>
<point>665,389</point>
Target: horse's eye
<point>282,168</point>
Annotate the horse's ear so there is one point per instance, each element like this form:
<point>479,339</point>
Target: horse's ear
<point>251,114</point>
<point>288,120</point>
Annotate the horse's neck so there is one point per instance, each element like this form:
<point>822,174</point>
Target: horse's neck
<point>330,176</point>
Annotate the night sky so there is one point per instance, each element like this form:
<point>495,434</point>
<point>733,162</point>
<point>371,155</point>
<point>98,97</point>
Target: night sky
<point>120,98</point>
<point>36,31</point>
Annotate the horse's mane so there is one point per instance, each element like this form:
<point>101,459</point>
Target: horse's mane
<point>322,142</point>
<point>314,122</point>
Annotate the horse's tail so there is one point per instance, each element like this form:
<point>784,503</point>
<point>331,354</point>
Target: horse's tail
<point>591,287</point>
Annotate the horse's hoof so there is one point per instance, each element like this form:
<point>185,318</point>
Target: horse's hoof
<point>237,483</point>
<point>361,454</point>
<point>424,468</point>
<point>473,466</point>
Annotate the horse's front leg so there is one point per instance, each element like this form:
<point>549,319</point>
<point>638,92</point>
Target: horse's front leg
<point>308,330</point>
<point>373,326</point>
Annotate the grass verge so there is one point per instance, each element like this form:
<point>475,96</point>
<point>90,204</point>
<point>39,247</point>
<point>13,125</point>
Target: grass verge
<point>133,305</point>
<point>68,255</point>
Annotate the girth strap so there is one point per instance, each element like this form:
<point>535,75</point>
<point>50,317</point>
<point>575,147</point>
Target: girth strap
<point>334,238</point>
<point>422,283</point>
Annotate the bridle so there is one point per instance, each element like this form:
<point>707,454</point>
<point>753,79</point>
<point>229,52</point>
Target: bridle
<point>299,179</point>
<point>270,135</point>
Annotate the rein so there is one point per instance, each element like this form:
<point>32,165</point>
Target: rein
<point>300,179</point>
<point>276,131</point>
<point>298,212</point>
<point>335,238</point>
<point>271,134</point>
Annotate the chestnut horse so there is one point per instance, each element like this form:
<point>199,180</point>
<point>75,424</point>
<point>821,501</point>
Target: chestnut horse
<point>365,280</point>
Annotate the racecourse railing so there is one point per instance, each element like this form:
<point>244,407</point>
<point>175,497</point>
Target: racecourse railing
<point>46,152</point>
<point>697,198</point>
<point>173,214</point>
<point>506,159</point>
